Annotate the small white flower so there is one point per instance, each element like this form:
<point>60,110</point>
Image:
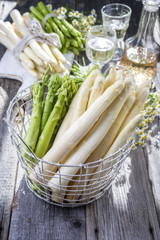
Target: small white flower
<point>76,14</point>
<point>80,15</point>
<point>87,28</point>
<point>57,11</point>
<point>154,85</point>
<point>93,12</point>
<point>74,22</point>
<point>148,101</point>
<point>150,132</point>
<point>91,22</point>
<point>84,19</point>
<point>85,24</point>
<point>144,137</point>
<point>133,146</point>
<point>70,14</point>
<point>90,17</point>
<point>49,6</point>
<point>63,10</point>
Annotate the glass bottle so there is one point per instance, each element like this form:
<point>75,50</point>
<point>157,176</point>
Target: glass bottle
<point>142,51</point>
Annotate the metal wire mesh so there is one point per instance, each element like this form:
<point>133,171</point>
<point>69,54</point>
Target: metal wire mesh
<point>88,184</point>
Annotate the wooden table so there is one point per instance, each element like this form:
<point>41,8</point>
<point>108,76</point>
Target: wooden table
<point>129,211</point>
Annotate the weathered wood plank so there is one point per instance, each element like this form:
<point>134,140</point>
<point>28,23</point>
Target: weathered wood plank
<point>128,211</point>
<point>32,218</point>
<point>8,162</point>
<point>153,158</point>
<point>152,154</point>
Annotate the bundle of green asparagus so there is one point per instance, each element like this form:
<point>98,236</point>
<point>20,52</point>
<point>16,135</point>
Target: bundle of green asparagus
<point>70,37</point>
<point>48,113</point>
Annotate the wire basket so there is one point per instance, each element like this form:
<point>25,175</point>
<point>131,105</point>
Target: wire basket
<point>81,189</point>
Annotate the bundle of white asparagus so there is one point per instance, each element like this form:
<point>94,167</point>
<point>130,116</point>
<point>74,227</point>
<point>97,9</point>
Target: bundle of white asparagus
<point>102,117</point>
<point>35,56</point>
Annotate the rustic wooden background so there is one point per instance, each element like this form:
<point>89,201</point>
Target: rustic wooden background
<point>129,211</point>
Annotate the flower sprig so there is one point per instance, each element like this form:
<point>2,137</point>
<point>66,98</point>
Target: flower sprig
<point>81,21</point>
<point>150,110</point>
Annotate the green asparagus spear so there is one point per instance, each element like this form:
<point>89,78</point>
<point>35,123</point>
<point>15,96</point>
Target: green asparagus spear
<point>71,29</point>
<point>48,130</point>
<point>83,40</point>
<point>61,27</point>
<point>36,14</point>
<point>32,134</point>
<point>72,87</point>
<point>79,42</point>
<point>67,43</point>
<point>73,42</point>
<point>78,81</point>
<point>51,98</point>
<point>55,28</point>
<point>74,50</point>
<point>45,79</point>
<point>65,96</point>
<point>64,50</point>
<point>33,131</point>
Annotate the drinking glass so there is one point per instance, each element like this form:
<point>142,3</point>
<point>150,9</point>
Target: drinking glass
<point>117,16</point>
<point>100,44</point>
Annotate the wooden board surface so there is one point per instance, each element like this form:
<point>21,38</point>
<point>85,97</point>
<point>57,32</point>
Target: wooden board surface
<point>129,211</point>
<point>8,162</point>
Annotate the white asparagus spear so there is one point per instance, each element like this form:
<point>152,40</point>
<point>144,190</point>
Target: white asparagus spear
<point>16,30</point>
<point>94,184</point>
<point>141,97</point>
<point>78,130</point>
<point>6,41</point>
<point>110,79</point>
<point>8,30</point>
<point>58,68</point>
<point>39,75</point>
<point>100,151</point>
<point>18,20</point>
<point>52,51</point>
<point>30,53</point>
<point>10,45</point>
<point>89,144</point>
<point>40,69</point>
<point>97,89</point>
<point>61,66</point>
<point>146,84</point>
<point>33,72</point>
<point>67,120</point>
<point>84,95</point>
<point>119,75</point>
<point>9,25</point>
<point>46,48</point>
<point>26,60</point>
<point>16,39</point>
<point>57,53</point>
<point>26,17</point>
<point>81,104</point>
<point>111,134</point>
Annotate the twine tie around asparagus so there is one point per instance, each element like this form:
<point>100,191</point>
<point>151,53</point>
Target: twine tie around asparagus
<point>38,34</point>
